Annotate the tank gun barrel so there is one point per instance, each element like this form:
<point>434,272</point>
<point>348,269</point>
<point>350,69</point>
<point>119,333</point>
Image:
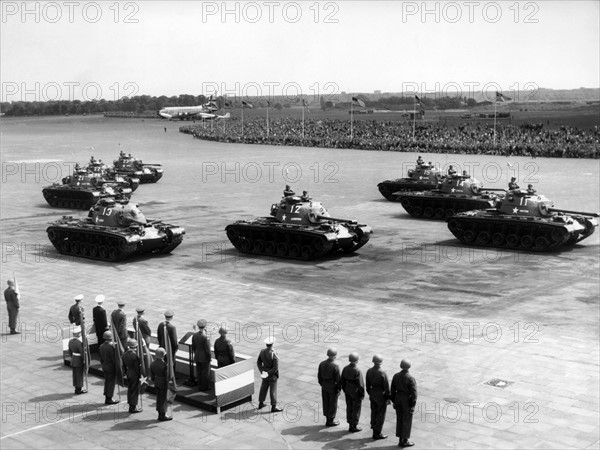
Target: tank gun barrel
<point>566,211</point>
<point>493,189</point>
<point>335,219</point>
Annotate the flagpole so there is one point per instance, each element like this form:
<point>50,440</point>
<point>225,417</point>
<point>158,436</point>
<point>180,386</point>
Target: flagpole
<point>242,121</point>
<point>495,103</point>
<point>414,117</point>
<point>140,356</point>
<point>267,120</point>
<point>303,120</point>
<point>351,118</point>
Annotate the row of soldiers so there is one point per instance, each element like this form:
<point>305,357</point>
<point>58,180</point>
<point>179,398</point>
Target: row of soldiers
<point>402,394</point>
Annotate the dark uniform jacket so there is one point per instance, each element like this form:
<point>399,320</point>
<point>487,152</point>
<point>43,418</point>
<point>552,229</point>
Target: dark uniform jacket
<point>404,387</point>
<point>377,384</point>
<point>131,361</point>
<point>172,333</point>
<point>201,347</point>
<point>329,376</point>
<point>119,319</point>
<point>268,361</point>
<point>100,321</point>
<point>11,297</point>
<point>352,381</point>
<point>144,327</point>
<point>158,373</point>
<point>108,357</point>
<point>76,352</point>
<point>224,352</point>
<point>75,313</point>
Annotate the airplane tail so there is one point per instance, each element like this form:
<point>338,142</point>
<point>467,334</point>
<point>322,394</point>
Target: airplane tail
<point>226,116</point>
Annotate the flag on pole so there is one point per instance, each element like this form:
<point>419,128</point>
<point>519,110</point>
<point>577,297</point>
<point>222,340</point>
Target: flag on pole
<point>418,100</point>
<point>144,356</point>
<point>358,101</point>
<point>247,105</point>
<point>16,284</point>
<point>268,104</point>
<point>171,384</point>
<point>305,105</point>
<point>118,354</point>
<point>501,98</point>
<point>86,349</point>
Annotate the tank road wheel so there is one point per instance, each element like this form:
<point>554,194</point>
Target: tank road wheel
<point>439,213</point>
<point>306,252</point>
<point>417,211</point>
<point>65,247</point>
<point>245,245</point>
<point>318,245</point>
<point>527,241</point>
<point>75,248</point>
<point>558,235</point>
<point>497,239</point>
<point>282,249</point>
<point>406,202</point>
<point>259,246</point>
<point>428,212</point>
<point>85,249</point>
<point>449,213</point>
<point>52,235</point>
<point>541,243</point>
<point>113,253</point>
<point>294,251</point>
<point>103,252</point>
<point>512,240</point>
<point>469,236</point>
<point>270,248</point>
<point>93,250</point>
<point>483,238</point>
<point>453,226</point>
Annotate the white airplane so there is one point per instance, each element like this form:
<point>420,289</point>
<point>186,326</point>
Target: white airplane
<point>204,112</point>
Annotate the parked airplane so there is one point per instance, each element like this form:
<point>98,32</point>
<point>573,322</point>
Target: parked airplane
<point>204,112</point>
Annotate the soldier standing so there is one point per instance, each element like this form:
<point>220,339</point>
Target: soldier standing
<point>329,380</point>
<point>268,365</point>
<point>158,373</point>
<point>76,354</point>
<point>109,367</point>
<point>513,184</point>
<point>100,321</point>
<point>404,396</point>
<point>76,310</point>
<point>171,331</point>
<point>224,353</point>
<point>140,323</point>
<point>119,320</point>
<point>131,361</point>
<point>354,388</point>
<point>12,304</point>
<point>378,388</point>
<point>202,356</point>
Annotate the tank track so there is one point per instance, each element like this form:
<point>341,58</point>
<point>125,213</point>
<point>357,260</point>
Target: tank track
<point>439,208</point>
<point>531,235</point>
<point>284,241</point>
<point>72,199</point>
<point>388,187</point>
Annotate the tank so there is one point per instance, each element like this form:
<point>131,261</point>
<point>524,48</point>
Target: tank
<point>422,178</point>
<point>523,220</point>
<point>146,173</point>
<point>298,228</point>
<point>112,231</point>
<point>454,194</point>
<point>82,190</point>
<point>101,170</point>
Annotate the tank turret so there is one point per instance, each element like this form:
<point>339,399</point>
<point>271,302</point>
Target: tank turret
<point>422,178</point>
<point>455,193</point>
<point>298,228</point>
<point>146,173</point>
<point>112,231</point>
<point>523,220</point>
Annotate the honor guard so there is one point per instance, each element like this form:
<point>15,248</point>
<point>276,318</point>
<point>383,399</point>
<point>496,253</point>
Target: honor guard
<point>131,363</point>
<point>353,386</point>
<point>202,356</point>
<point>76,354</point>
<point>100,320</point>
<point>119,321</point>
<point>141,323</point>
<point>158,373</point>
<point>404,395</point>
<point>171,332</point>
<point>329,380</point>
<point>378,388</point>
<point>109,367</point>
<point>76,310</point>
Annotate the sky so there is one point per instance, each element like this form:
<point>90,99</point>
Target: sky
<point>91,50</point>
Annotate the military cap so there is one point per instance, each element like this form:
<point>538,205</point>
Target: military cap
<point>377,359</point>
<point>78,298</point>
<point>405,364</point>
<point>10,282</point>
<point>201,323</point>
<point>353,357</point>
<point>223,330</point>
<point>121,303</point>
<point>270,340</point>
<point>160,352</point>
<point>132,343</point>
<point>331,352</point>
<point>169,313</point>
<point>100,298</point>
<point>139,310</point>
<point>76,331</point>
<point>107,335</point>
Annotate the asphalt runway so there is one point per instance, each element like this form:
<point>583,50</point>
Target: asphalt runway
<point>464,316</point>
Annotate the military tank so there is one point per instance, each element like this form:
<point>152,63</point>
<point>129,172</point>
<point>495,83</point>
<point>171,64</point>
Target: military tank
<point>103,173</point>
<point>423,177</point>
<point>298,228</point>
<point>146,173</point>
<point>82,190</point>
<point>112,231</point>
<point>456,193</point>
<point>523,220</point>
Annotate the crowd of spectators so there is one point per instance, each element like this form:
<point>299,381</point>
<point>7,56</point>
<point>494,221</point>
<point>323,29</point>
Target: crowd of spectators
<point>430,137</point>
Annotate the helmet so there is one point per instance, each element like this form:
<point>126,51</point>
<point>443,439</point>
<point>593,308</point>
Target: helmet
<point>377,359</point>
<point>331,351</point>
<point>405,364</point>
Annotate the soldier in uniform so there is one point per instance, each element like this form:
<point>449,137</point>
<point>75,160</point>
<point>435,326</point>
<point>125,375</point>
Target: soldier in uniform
<point>268,365</point>
<point>288,192</point>
<point>109,367</point>
<point>141,322</point>
<point>100,321</point>
<point>305,197</point>
<point>202,356</point>
<point>119,320</point>
<point>513,184</point>
<point>329,380</point>
<point>224,353</point>
<point>354,388</point>
<point>12,304</point>
<point>76,354</point>
<point>76,310</point>
<point>131,363</point>
<point>451,171</point>
<point>404,395</point>
<point>530,189</point>
<point>378,388</point>
<point>420,161</point>
<point>171,332</point>
<point>158,373</point>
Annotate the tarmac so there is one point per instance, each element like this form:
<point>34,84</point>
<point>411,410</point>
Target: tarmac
<point>504,345</point>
